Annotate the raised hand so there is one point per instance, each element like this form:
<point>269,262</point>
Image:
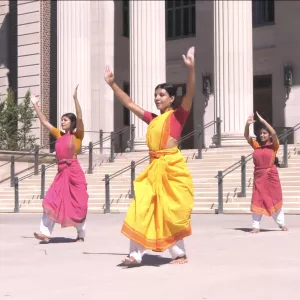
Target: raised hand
<point>189,59</point>
<point>34,99</point>
<point>250,119</point>
<point>260,118</point>
<point>109,76</point>
<point>75,92</point>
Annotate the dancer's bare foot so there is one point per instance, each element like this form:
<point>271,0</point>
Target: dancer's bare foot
<point>283,228</point>
<point>79,240</point>
<point>179,260</point>
<point>255,230</point>
<point>41,237</point>
<point>130,261</point>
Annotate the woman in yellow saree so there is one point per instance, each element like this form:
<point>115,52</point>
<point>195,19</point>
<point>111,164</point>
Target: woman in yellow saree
<point>159,216</point>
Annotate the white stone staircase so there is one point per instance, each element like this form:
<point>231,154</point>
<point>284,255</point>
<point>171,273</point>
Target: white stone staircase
<point>203,172</point>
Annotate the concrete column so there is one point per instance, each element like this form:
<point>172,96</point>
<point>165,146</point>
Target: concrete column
<point>233,67</point>
<point>147,58</point>
<point>102,54</point>
<point>74,59</point>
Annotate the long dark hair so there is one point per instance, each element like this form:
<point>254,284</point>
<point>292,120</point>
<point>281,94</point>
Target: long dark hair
<point>172,91</point>
<point>73,120</point>
<point>263,127</point>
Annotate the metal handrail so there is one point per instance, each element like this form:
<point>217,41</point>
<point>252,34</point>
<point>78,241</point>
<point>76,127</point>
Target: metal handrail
<point>127,168</point>
<point>107,138</point>
<point>242,163</point>
<point>95,131</point>
<point>33,152</point>
<point>40,169</point>
<point>134,164</point>
<point>188,135</point>
<point>117,133</point>
<point>192,133</point>
<point>15,180</point>
<point>52,164</point>
<point>249,156</point>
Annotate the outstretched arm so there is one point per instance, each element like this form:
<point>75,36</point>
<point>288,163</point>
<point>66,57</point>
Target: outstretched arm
<point>121,95</point>
<point>79,122</point>
<point>189,61</point>
<point>41,116</point>
<point>246,132</point>
<point>253,143</point>
<point>270,129</point>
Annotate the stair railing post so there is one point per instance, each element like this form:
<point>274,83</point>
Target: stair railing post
<point>243,176</point>
<point>132,137</point>
<point>43,176</point>
<point>90,168</point>
<point>101,141</point>
<point>112,147</point>
<point>12,170</point>
<point>36,159</point>
<point>107,194</point>
<point>121,141</point>
<point>220,192</point>
<point>218,132</point>
<point>285,149</point>
<point>199,141</point>
<point>132,178</point>
<point>17,201</point>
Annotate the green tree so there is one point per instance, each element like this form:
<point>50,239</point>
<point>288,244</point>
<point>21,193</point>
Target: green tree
<point>26,140</point>
<point>9,122</point>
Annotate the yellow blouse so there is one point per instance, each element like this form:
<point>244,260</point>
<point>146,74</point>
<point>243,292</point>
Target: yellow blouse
<point>77,138</point>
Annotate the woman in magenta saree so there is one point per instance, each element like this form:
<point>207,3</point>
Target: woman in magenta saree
<point>66,201</point>
<point>267,193</point>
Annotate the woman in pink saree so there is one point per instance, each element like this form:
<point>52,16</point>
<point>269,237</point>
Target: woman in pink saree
<point>67,199</point>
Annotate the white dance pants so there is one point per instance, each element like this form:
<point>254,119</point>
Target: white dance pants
<point>278,218</point>
<point>47,225</point>
<point>137,251</point>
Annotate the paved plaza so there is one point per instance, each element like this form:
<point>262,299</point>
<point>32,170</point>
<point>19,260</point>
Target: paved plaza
<point>225,262</point>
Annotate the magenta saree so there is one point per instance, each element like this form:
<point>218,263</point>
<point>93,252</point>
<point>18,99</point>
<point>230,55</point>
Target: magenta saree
<point>66,201</point>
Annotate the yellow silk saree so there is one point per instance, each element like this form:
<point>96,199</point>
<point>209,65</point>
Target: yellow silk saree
<point>159,216</point>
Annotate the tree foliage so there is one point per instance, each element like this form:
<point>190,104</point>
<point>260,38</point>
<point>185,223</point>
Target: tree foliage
<point>12,116</point>
<point>26,140</point>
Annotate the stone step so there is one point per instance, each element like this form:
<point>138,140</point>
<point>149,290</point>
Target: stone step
<point>198,187</point>
<point>207,205</point>
<point>125,199</point>
<point>117,193</point>
<point>198,182</point>
<point>214,164</point>
<point>203,172</point>
<point>193,172</point>
<point>212,168</point>
<point>196,210</point>
<point>99,210</point>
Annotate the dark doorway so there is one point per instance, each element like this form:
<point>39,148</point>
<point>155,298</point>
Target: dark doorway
<point>189,125</point>
<point>262,97</point>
